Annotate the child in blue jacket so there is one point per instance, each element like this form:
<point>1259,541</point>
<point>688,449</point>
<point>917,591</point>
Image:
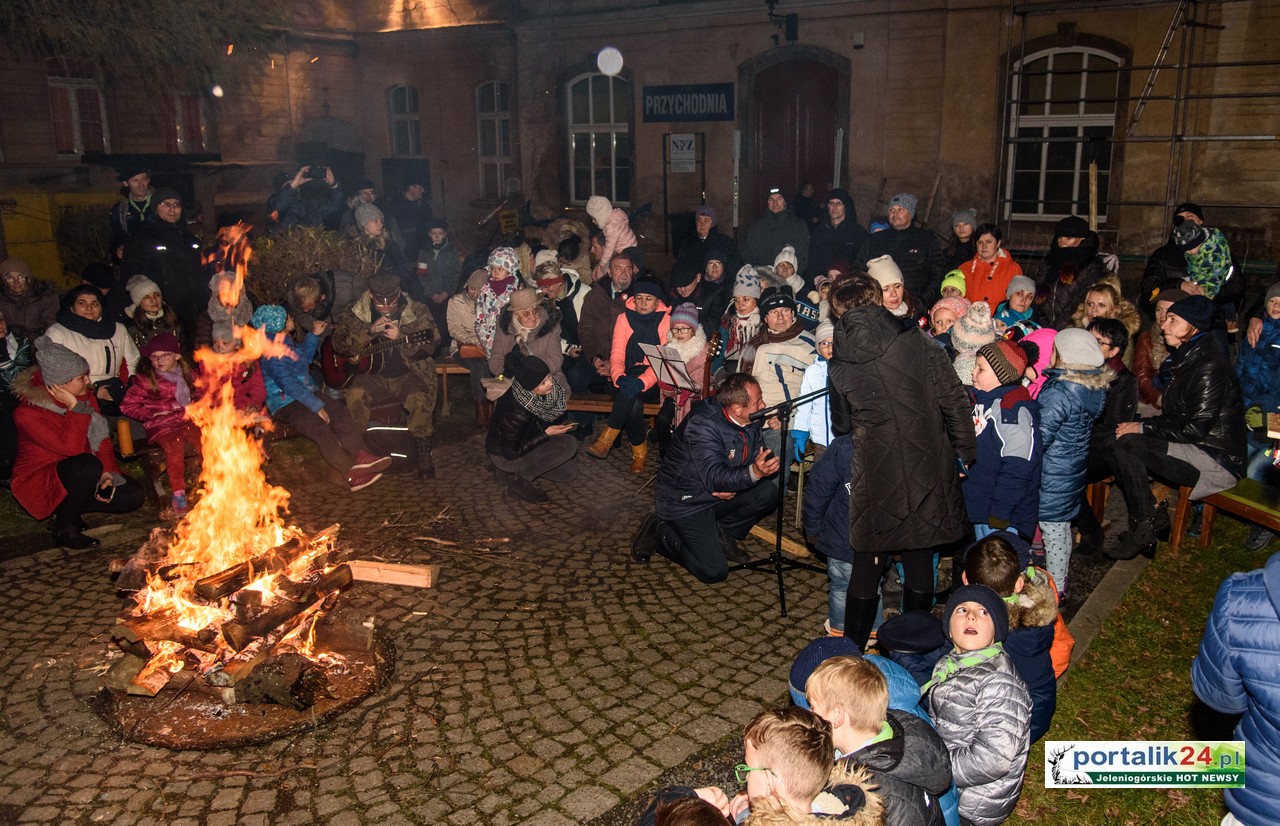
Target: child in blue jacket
<point>1002,488</point>
<point>1259,371</point>
<point>826,522</point>
<point>1073,395</point>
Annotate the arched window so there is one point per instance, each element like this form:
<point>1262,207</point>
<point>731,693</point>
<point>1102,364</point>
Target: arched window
<point>599,115</point>
<point>78,109</point>
<point>493,138</point>
<point>406,128</point>
<point>1062,117</point>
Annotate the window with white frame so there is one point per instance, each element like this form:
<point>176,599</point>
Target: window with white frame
<point>186,127</point>
<point>599,120</point>
<point>78,109</point>
<point>1062,117</point>
<point>493,138</point>
<point>406,127</point>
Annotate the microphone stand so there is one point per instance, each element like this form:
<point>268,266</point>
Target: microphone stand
<point>776,562</point>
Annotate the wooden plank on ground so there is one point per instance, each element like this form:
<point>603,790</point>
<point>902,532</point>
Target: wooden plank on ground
<point>390,573</point>
<point>789,545</point>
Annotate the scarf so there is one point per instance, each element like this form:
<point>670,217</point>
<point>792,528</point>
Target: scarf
<point>500,286</point>
<point>696,344</point>
<point>99,430</point>
<point>547,408</point>
<point>101,330</point>
<point>948,667</point>
<point>181,392</point>
<point>522,332</point>
<point>765,336</point>
<point>644,330</point>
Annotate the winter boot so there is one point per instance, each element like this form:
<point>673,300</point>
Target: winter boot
<point>639,453</point>
<point>422,447</point>
<point>917,601</point>
<point>645,540</point>
<point>600,447</point>
<point>859,618</point>
<point>1139,539</point>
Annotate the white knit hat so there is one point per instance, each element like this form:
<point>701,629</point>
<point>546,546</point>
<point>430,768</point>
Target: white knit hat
<point>885,271</point>
<point>599,208</point>
<point>788,254</point>
<point>139,287</point>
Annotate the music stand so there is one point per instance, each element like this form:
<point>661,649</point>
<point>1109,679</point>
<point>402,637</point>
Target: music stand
<point>776,562</point>
<point>670,368</point>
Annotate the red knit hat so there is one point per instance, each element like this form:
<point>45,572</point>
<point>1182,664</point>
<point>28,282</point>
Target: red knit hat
<point>1008,361</point>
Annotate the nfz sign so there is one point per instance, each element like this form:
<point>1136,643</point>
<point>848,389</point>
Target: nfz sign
<point>707,101</point>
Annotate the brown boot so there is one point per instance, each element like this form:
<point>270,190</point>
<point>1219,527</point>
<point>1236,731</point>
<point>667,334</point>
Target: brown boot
<point>600,447</point>
<point>638,454</point>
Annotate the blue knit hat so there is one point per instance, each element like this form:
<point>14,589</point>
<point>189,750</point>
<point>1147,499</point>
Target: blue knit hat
<point>270,318</point>
<point>988,599</point>
<point>813,655</point>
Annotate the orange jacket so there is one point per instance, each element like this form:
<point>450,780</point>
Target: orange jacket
<point>988,282</point>
<point>622,334</point>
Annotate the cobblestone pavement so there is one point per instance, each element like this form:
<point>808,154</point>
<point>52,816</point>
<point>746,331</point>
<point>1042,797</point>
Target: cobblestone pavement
<point>544,685</point>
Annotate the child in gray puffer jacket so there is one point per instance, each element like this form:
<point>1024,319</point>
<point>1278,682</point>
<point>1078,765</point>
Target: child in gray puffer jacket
<point>981,707</point>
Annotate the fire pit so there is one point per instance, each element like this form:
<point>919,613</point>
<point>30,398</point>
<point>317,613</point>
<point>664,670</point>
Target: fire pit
<point>230,632</point>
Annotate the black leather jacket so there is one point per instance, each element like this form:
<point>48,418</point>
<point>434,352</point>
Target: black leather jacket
<point>1202,405</point>
<point>513,430</point>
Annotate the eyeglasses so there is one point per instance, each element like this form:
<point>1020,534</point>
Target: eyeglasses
<point>741,771</point>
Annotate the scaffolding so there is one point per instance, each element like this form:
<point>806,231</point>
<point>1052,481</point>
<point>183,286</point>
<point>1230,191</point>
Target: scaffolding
<point>1187,21</point>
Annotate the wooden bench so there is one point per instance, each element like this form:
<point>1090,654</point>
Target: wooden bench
<point>600,403</point>
<point>1249,499</point>
<point>445,369</point>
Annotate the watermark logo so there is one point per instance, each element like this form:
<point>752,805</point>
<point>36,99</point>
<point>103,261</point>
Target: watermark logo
<point>1145,764</point>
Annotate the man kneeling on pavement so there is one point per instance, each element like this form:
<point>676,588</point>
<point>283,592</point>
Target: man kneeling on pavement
<point>716,482</point>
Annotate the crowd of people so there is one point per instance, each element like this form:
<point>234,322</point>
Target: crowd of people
<point>948,404</point>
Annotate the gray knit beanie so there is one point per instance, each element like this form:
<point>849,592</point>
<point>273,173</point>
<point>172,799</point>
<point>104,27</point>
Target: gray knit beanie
<point>58,365</point>
<point>905,200</point>
<point>366,213</point>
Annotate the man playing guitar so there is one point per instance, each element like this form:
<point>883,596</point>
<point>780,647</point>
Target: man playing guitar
<point>405,374</point>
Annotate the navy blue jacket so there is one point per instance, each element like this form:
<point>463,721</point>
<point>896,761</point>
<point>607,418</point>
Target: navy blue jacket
<point>708,454</point>
<point>1004,484</point>
<point>1070,400</point>
<point>1032,617</point>
<point>826,500</point>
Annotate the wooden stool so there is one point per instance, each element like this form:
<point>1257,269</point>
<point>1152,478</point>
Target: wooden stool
<point>444,370</point>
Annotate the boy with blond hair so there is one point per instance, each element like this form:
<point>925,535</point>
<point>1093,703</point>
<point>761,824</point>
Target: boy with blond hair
<point>789,778</point>
<point>903,754</point>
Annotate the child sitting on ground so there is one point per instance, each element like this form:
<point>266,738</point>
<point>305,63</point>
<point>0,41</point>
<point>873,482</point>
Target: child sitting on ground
<point>158,397</point>
<point>905,756</point>
<point>981,707</point>
<point>1033,615</point>
<point>1073,395</point>
<point>812,424</point>
<point>1002,487</point>
<point>789,778</point>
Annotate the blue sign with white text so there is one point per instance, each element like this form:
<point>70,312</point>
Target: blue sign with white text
<point>703,101</point>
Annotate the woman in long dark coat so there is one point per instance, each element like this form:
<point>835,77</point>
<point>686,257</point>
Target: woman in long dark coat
<point>910,418</point>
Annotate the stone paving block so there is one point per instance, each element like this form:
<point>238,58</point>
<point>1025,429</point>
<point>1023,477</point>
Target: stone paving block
<point>262,800</point>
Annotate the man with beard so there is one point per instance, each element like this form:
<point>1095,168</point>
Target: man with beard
<point>838,238</point>
<point>133,210</point>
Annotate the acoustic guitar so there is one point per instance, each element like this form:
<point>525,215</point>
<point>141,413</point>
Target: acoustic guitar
<point>338,370</point>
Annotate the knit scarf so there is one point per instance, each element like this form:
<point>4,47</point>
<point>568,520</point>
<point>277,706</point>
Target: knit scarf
<point>741,329</point>
<point>948,667</point>
<point>765,336</point>
<point>99,430</point>
<point>644,330</point>
<point>101,330</point>
<point>548,408</point>
<point>181,392</point>
<point>499,286</point>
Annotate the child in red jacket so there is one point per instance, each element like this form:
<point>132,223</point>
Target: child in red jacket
<point>157,397</point>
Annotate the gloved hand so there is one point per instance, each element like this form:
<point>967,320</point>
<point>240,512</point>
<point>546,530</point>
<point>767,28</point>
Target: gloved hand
<point>997,523</point>
<point>800,438</point>
<point>629,386</point>
<point>1254,418</point>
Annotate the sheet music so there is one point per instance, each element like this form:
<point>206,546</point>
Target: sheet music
<point>670,368</point>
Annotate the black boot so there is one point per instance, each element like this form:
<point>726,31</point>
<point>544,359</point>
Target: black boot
<point>859,618</point>
<point>73,538</point>
<point>1139,539</point>
<point>645,540</point>
<point>422,447</point>
<point>917,601</point>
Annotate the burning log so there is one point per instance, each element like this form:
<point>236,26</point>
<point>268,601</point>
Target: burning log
<point>239,634</point>
<point>131,635</point>
<point>243,663</point>
<point>290,680</point>
<point>216,586</point>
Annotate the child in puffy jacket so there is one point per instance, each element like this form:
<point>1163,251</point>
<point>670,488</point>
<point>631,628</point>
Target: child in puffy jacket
<point>981,707</point>
<point>1073,395</point>
<point>1259,371</point>
<point>158,397</point>
<point>826,523</point>
<point>812,424</point>
<point>1002,487</point>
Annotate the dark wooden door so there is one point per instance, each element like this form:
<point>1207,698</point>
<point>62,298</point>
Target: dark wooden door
<point>795,115</point>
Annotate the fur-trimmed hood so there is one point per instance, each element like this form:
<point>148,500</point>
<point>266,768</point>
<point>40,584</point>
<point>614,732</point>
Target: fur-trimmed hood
<point>849,799</point>
<point>551,318</point>
<point>28,386</point>
<point>1090,378</point>
<point>1037,605</point>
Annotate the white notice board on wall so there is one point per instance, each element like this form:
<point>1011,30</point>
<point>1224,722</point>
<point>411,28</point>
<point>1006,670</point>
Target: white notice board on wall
<point>683,152</point>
